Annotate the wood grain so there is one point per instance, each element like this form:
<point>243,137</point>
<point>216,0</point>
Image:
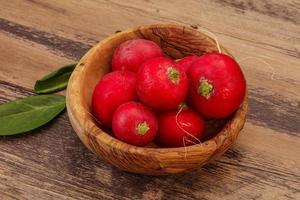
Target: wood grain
<point>264,164</point>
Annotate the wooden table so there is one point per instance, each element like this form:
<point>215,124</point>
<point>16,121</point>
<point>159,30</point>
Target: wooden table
<point>38,36</point>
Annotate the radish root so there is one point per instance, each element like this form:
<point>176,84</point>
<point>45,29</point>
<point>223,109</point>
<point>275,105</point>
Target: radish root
<point>213,36</point>
<point>93,116</point>
<point>204,30</point>
<point>262,61</point>
<point>184,138</point>
<point>177,123</point>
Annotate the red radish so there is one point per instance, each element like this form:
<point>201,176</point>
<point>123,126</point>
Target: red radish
<point>187,130</point>
<point>134,123</point>
<point>186,62</point>
<point>132,53</point>
<point>160,84</point>
<point>111,91</point>
<point>217,85</point>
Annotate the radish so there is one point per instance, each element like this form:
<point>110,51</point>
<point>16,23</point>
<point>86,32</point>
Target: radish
<point>217,85</point>
<point>186,130</point>
<point>111,91</point>
<point>160,84</point>
<point>186,62</point>
<point>132,53</point>
<point>134,124</point>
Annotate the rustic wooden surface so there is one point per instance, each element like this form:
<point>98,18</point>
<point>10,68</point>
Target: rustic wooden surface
<point>37,36</point>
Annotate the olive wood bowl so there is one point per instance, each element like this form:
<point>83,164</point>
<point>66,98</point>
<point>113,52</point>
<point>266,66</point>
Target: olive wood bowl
<point>176,41</point>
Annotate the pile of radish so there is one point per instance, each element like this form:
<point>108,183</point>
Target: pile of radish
<point>148,97</point>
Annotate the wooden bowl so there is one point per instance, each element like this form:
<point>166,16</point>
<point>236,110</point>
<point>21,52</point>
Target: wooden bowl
<point>176,41</point>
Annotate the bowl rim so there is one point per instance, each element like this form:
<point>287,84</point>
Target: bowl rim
<point>92,129</point>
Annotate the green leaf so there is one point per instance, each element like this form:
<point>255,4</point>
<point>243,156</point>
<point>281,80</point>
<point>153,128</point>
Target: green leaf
<point>55,81</point>
<point>26,114</point>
